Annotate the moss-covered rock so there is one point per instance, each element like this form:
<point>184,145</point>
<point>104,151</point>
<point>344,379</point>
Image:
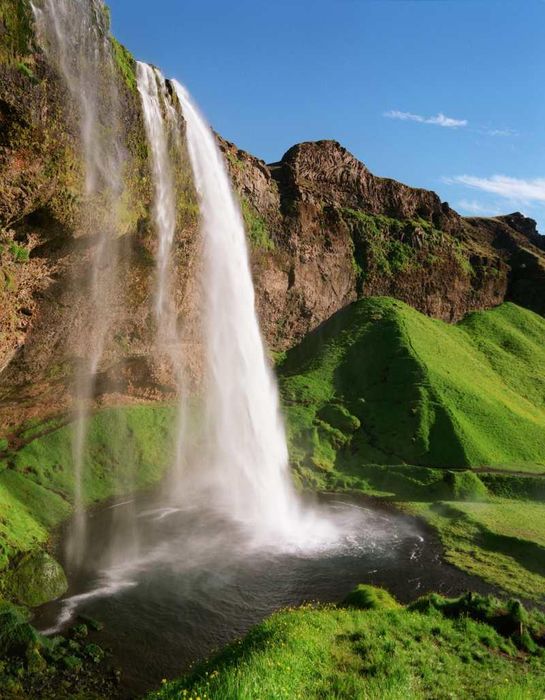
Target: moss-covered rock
<point>16,634</point>
<point>365,597</point>
<point>339,417</point>
<point>466,485</point>
<point>37,579</point>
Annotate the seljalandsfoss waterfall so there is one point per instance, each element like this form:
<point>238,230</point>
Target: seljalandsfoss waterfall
<point>244,466</point>
<point>242,469</point>
<point>225,538</point>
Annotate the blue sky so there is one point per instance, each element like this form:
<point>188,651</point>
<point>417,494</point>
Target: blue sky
<point>443,94</point>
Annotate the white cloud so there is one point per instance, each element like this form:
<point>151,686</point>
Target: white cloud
<point>474,207</point>
<point>501,132</point>
<point>512,188</point>
<point>439,120</point>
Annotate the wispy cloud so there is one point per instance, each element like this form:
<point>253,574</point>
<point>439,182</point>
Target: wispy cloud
<point>512,188</point>
<point>449,122</point>
<point>473,207</point>
<point>439,120</point>
<point>501,132</point>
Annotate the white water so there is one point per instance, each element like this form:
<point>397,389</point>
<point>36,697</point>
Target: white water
<point>75,37</point>
<point>243,466</point>
<point>160,119</point>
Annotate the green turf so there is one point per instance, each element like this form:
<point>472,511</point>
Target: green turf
<point>501,541</point>
<point>435,650</point>
<point>382,383</point>
<point>127,449</point>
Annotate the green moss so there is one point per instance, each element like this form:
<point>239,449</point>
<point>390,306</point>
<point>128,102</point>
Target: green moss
<point>379,242</point>
<point>126,448</point>
<point>20,253</point>
<point>16,16</point>
<point>256,227</point>
<point>15,631</point>
<point>33,666</point>
<point>37,579</point>
<point>331,652</point>
<point>365,597</point>
<point>234,161</point>
<point>339,417</point>
<point>26,71</point>
<point>388,246</point>
<point>125,63</point>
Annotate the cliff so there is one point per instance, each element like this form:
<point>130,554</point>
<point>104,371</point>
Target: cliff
<point>340,233</point>
<point>323,232</point>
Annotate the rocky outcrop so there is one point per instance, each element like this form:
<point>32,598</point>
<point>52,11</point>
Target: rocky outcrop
<point>324,171</point>
<point>341,233</point>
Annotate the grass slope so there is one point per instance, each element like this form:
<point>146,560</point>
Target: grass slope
<point>126,450</point>
<point>466,648</point>
<point>382,383</point>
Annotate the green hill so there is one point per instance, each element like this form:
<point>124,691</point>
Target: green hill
<point>380,383</point>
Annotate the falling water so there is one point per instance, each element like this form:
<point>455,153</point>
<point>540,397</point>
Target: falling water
<point>163,127</point>
<point>75,37</point>
<point>160,119</point>
<point>243,469</point>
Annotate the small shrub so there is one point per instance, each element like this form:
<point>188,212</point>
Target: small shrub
<point>20,253</point>
<point>25,70</point>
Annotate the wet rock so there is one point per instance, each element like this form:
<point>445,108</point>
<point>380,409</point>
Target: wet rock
<point>79,632</point>
<point>91,623</point>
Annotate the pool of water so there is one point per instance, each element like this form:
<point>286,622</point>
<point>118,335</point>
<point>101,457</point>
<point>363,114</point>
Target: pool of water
<point>174,585</point>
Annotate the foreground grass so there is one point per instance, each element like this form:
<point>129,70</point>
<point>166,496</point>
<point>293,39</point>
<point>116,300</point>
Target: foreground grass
<point>383,653</point>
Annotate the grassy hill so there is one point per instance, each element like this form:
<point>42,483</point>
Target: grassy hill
<point>374,649</point>
<point>380,383</point>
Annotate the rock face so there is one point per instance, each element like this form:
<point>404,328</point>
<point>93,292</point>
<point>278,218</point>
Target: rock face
<point>323,232</point>
<point>341,233</point>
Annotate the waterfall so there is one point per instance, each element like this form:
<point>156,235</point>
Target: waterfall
<point>161,121</point>
<point>243,468</point>
<point>75,37</point>
<point>235,464</point>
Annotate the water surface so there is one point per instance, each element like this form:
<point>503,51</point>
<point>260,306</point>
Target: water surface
<point>195,582</point>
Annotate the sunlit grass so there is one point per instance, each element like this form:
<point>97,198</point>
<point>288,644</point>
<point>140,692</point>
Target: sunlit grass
<point>378,654</point>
